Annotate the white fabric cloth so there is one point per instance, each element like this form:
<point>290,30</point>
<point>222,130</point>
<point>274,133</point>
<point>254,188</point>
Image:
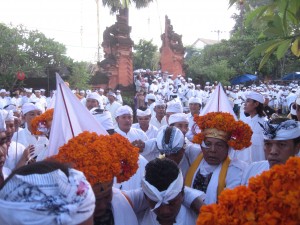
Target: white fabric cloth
<point>218,102</point>
<point>14,154</point>
<point>254,169</point>
<point>255,152</point>
<point>184,217</point>
<point>27,107</point>
<point>151,132</point>
<point>123,110</point>
<point>139,112</point>
<point>286,130</point>
<point>178,117</point>
<point>175,142</point>
<point>112,108</point>
<point>174,107</point>
<point>256,96</point>
<point>70,118</point>
<point>47,199</point>
<point>122,210</point>
<point>163,197</point>
<point>104,119</point>
<point>133,134</point>
<point>25,138</point>
<point>154,121</point>
<point>233,177</point>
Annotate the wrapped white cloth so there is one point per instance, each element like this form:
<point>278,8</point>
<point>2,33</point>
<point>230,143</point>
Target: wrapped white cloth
<point>47,199</point>
<point>147,112</point>
<point>256,96</point>
<point>286,130</point>
<point>125,109</point>
<point>163,197</point>
<point>178,117</point>
<point>27,107</point>
<point>176,141</point>
<point>174,107</point>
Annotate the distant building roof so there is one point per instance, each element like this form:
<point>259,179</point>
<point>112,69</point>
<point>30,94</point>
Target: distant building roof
<point>205,41</point>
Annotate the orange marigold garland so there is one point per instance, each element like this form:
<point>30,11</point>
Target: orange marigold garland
<point>240,133</point>
<point>100,157</point>
<point>42,120</point>
<point>271,198</point>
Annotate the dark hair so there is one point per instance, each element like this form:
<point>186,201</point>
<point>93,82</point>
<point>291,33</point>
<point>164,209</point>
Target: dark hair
<point>143,108</point>
<point>281,120</point>
<point>168,133</point>
<point>161,173</point>
<point>41,167</point>
<point>260,109</point>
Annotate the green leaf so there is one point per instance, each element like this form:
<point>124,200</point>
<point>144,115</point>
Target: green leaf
<point>296,47</point>
<point>255,15</point>
<point>264,60</point>
<point>282,48</point>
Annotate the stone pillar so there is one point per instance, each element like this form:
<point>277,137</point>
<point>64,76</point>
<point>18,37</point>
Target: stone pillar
<point>171,51</point>
<point>117,46</point>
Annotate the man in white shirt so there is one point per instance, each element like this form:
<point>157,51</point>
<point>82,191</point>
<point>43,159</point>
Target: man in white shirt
<point>143,124</point>
<point>124,118</point>
<point>112,106</point>
<point>159,119</point>
<point>281,141</point>
<point>94,100</point>
<point>195,107</point>
<point>119,97</point>
<point>24,136</point>
<point>164,190</point>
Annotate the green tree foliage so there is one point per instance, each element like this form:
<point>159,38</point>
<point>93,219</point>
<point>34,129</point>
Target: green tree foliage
<point>145,55</point>
<point>80,75</point>
<point>30,52</point>
<point>115,5</point>
<point>280,20</point>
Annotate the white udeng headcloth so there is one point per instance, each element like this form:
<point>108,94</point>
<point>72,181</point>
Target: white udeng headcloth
<point>47,199</point>
<point>163,197</point>
<point>286,130</point>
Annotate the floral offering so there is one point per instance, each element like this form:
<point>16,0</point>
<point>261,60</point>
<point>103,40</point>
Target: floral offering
<point>271,198</point>
<point>101,157</point>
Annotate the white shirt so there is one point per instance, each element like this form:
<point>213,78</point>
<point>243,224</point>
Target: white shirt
<point>112,108</point>
<point>151,132</point>
<point>14,154</point>
<point>24,137</point>
<point>154,121</point>
<point>133,134</point>
<point>255,152</point>
<point>254,169</point>
<point>122,210</point>
<point>233,177</point>
<point>185,216</point>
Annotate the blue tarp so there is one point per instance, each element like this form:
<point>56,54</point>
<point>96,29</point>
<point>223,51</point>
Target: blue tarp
<point>292,76</point>
<point>243,79</point>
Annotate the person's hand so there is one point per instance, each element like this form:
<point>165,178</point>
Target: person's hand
<point>26,157</point>
<point>196,205</point>
<point>139,144</point>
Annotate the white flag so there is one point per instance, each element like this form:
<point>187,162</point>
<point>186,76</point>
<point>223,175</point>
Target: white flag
<point>70,118</point>
<point>218,102</point>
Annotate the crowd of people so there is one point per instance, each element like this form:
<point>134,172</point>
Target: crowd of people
<point>192,142</point>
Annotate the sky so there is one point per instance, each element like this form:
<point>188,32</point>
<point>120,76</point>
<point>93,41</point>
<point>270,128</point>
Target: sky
<point>74,22</point>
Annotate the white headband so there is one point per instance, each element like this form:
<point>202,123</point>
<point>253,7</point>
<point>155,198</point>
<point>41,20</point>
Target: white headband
<point>165,196</point>
<point>51,198</point>
<point>286,130</point>
<point>122,110</point>
<point>147,112</point>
